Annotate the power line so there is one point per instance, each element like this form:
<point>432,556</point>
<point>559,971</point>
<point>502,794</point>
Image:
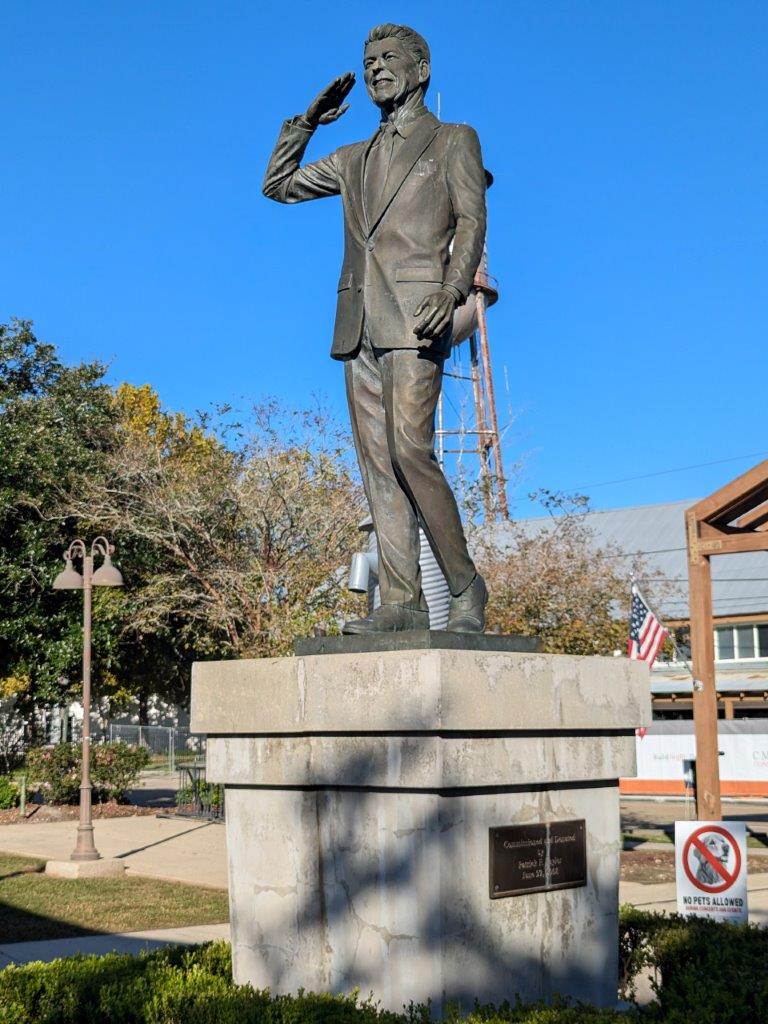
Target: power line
<point>721,579</point>
<point>665,472</point>
<point>641,554</point>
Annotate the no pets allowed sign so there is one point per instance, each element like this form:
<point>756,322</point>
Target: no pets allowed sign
<point>711,870</point>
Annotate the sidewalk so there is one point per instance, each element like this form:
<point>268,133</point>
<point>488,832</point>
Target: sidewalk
<point>663,897</point>
<point>155,789</point>
<point>178,849</point>
<point>130,942</point>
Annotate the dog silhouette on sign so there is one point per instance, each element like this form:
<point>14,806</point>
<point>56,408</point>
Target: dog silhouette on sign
<point>717,847</point>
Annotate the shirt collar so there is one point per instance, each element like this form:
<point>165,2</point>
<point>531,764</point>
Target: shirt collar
<point>406,121</point>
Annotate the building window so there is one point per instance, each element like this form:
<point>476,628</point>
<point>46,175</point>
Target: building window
<point>741,643</point>
<point>725,648</point>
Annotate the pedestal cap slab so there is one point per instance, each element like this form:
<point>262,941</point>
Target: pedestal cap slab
<point>433,691</point>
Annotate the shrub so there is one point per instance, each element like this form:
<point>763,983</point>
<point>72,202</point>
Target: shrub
<point>708,972</point>
<point>115,767</point>
<point>704,971</point>
<point>171,986</point>
<point>9,793</point>
<point>55,771</point>
<point>209,794</point>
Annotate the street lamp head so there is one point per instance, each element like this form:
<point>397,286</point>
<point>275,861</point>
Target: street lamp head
<point>69,578</point>
<point>108,575</point>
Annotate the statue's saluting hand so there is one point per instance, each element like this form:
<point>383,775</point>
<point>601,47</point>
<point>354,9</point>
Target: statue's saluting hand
<point>327,106</point>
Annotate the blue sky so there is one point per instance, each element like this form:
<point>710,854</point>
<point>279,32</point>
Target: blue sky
<point>628,222</point>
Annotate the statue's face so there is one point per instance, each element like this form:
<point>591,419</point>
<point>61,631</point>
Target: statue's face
<point>391,72</point>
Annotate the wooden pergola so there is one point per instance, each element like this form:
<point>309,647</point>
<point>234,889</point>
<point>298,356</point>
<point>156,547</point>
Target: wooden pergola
<point>731,520</point>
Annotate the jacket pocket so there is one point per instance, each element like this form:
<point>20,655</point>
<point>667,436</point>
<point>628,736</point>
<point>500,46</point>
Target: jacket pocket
<point>345,281</point>
<point>433,274</point>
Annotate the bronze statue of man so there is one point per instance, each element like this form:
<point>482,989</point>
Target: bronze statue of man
<point>414,222</point>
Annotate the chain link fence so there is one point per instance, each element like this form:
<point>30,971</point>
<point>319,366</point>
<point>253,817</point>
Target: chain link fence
<point>171,747</point>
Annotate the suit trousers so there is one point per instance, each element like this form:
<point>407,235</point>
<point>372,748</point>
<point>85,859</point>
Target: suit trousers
<point>392,395</point>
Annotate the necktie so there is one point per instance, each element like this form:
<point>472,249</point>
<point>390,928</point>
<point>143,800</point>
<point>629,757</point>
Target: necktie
<point>377,166</point>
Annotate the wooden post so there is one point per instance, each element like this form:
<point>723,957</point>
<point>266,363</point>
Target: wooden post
<point>704,690</point>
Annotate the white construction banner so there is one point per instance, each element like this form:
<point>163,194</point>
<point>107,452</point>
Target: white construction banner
<point>711,870</point>
<point>661,756</point>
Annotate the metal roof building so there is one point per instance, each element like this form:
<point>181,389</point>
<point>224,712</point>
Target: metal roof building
<point>657,533</point>
<point>740,600</point>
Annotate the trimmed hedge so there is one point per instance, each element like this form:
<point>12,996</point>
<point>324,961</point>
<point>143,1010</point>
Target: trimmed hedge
<point>703,971</point>
<point>178,986</point>
<point>55,771</point>
<point>707,973</point>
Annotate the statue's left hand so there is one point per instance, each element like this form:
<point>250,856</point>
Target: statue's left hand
<point>435,313</point>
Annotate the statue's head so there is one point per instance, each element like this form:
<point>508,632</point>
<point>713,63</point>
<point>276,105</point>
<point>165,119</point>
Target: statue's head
<point>395,64</point>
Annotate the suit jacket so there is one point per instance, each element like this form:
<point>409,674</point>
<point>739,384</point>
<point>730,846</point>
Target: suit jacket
<point>435,196</point>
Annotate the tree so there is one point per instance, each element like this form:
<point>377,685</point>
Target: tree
<point>244,540</point>
<point>232,540</point>
<point>56,423</point>
<point>555,582</point>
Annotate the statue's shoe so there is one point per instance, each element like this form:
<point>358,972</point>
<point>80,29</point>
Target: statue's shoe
<point>388,618</point>
<point>466,613</point>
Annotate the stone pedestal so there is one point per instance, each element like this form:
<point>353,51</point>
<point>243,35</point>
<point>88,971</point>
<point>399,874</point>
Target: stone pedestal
<point>360,791</point>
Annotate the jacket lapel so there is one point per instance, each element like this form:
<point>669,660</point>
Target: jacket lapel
<point>403,162</point>
<point>356,182</point>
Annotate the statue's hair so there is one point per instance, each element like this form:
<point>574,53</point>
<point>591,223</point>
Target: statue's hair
<point>416,43</point>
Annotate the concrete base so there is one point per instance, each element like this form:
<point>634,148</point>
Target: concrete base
<point>361,789</point>
<point>107,867</point>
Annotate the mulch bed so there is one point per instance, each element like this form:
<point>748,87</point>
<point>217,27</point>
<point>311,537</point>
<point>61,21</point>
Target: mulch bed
<point>652,866</point>
<point>66,812</point>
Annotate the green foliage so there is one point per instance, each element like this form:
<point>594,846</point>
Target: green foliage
<point>521,1013</point>
<point>209,793</point>
<point>56,422</point>
<point>708,972</point>
<point>704,971</point>
<point>59,427</point>
<point>195,987</point>
<point>9,793</point>
<point>55,771</point>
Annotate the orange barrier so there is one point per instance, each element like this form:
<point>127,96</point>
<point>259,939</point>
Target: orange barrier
<point>676,787</point>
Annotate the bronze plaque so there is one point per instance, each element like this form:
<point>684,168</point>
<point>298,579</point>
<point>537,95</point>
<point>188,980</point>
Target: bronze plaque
<point>537,858</point>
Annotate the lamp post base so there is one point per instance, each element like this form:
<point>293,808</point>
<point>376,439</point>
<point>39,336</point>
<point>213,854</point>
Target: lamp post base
<point>85,848</point>
<point>105,867</point>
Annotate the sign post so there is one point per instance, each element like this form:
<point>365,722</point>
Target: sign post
<point>711,870</point>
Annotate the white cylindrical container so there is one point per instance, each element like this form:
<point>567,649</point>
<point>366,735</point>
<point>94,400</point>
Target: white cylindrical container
<point>433,582</point>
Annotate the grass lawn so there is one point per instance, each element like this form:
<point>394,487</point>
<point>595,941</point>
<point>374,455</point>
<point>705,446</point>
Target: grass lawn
<point>35,906</point>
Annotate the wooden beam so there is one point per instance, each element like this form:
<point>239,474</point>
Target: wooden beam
<point>745,488</point>
<point>755,519</point>
<point>705,694</point>
<point>740,507</point>
<point>708,531</point>
<point>733,543</point>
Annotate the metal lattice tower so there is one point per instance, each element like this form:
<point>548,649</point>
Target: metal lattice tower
<point>477,433</point>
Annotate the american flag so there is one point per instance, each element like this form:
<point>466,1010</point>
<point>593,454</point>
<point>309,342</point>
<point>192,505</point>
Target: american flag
<point>646,633</point>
